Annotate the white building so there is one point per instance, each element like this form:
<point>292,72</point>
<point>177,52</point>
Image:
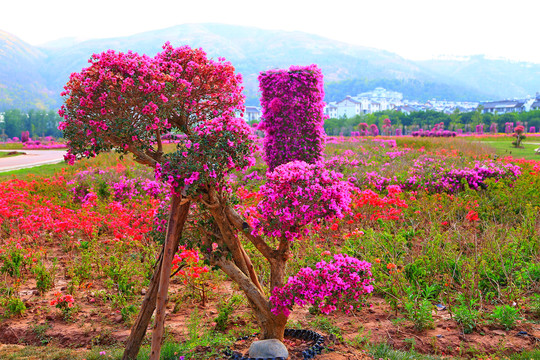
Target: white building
<point>364,103</point>
<point>252,113</point>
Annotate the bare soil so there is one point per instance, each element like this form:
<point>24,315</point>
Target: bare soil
<point>95,324</point>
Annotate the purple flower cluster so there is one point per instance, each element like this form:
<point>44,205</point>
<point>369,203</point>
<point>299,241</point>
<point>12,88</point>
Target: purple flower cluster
<point>298,193</point>
<point>110,182</point>
<point>373,130</point>
<point>479,129</point>
<point>38,145</point>
<point>434,175</point>
<point>438,133</point>
<point>341,283</point>
<point>384,142</point>
<point>293,115</point>
<point>214,148</point>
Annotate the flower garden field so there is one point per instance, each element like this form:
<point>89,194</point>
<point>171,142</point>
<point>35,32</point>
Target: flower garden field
<point>451,231</point>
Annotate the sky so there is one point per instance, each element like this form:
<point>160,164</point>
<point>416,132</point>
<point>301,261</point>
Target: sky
<point>414,29</point>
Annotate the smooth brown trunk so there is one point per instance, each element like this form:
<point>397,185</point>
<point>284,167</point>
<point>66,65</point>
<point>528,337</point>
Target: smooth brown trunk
<point>272,326</point>
<point>177,219</point>
<point>138,330</point>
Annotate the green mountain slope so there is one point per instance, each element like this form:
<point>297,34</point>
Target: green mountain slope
<point>34,77</point>
<point>21,80</point>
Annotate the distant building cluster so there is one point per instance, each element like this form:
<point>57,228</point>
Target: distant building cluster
<point>509,106</point>
<point>381,99</point>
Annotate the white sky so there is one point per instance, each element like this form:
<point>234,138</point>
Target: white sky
<point>414,29</point>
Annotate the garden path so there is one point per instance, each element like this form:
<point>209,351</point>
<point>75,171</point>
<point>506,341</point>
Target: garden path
<point>30,159</point>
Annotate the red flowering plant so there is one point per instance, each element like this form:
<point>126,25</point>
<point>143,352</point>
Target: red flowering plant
<point>65,303</point>
<point>186,264</point>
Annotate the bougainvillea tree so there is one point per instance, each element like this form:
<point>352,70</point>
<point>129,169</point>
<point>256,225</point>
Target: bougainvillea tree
<point>362,127</point>
<point>293,114</point>
<point>518,134</point>
<point>127,103</point>
<point>387,127</point>
<point>374,130</point>
<point>479,129</point>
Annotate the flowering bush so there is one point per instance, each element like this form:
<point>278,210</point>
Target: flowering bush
<point>215,148</point>
<point>25,136</point>
<point>65,303</point>
<point>435,175</point>
<point>479,129</point>
<point>373,130</point>
<point>176,88</point>
<point>298,193</point>
<point>518,134</point>
<point>341,283</point>
<point>293,115</point>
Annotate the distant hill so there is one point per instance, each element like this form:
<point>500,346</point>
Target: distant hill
<point>499,78</point>
<point>34,76</point>
<point>21,77</point>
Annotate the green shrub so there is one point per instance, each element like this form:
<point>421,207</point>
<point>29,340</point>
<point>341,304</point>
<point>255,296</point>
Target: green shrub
<point>506,316</point>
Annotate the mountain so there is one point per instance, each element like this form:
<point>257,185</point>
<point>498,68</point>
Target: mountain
<point>34,76</point>
<point>503,79</point>
<point>21,78</point>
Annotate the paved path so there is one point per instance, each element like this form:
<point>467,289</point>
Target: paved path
<point>31,159</point>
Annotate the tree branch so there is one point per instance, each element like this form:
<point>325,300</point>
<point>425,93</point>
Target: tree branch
<point>245,283</point>
<point>239,223</point>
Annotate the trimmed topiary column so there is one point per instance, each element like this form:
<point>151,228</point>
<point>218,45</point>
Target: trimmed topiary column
<point>293,115</point>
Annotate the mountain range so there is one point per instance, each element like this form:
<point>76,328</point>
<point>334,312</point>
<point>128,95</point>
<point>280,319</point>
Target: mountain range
<point>33,76</point>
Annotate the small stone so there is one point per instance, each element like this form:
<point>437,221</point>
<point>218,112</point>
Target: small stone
<point>143,291</point>
<point>270,348</point>
<point>118,319</point>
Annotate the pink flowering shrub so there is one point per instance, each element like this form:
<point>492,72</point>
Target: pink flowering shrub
<point>297,194</point>
<point>293,115</point>
<point>178,88</point>
<point>215,148</point>
<point>479,129</point>
<point>374,130</point>
<point>340,284</point>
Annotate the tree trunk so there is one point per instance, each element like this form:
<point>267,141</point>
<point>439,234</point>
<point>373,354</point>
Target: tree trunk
<point>177,219</point>
<point>272,326</point>
<point>138,330</point>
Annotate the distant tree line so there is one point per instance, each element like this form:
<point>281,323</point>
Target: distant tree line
<point>38,122</point>
<point>426,120</point>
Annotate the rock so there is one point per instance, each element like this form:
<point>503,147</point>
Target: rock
<point>143,291</point>
<point>118,319</point>
<point>268,349</point>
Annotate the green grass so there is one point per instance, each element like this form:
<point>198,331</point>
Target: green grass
<point>505,148</point>
<point>385,351</point>
<point>4,154</point>
<point>42,170</point>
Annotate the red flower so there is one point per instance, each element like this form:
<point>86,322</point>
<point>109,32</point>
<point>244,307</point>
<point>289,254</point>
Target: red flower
<point>472,216</point>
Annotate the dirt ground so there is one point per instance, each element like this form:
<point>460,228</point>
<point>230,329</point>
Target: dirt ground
<point>95,324</point>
